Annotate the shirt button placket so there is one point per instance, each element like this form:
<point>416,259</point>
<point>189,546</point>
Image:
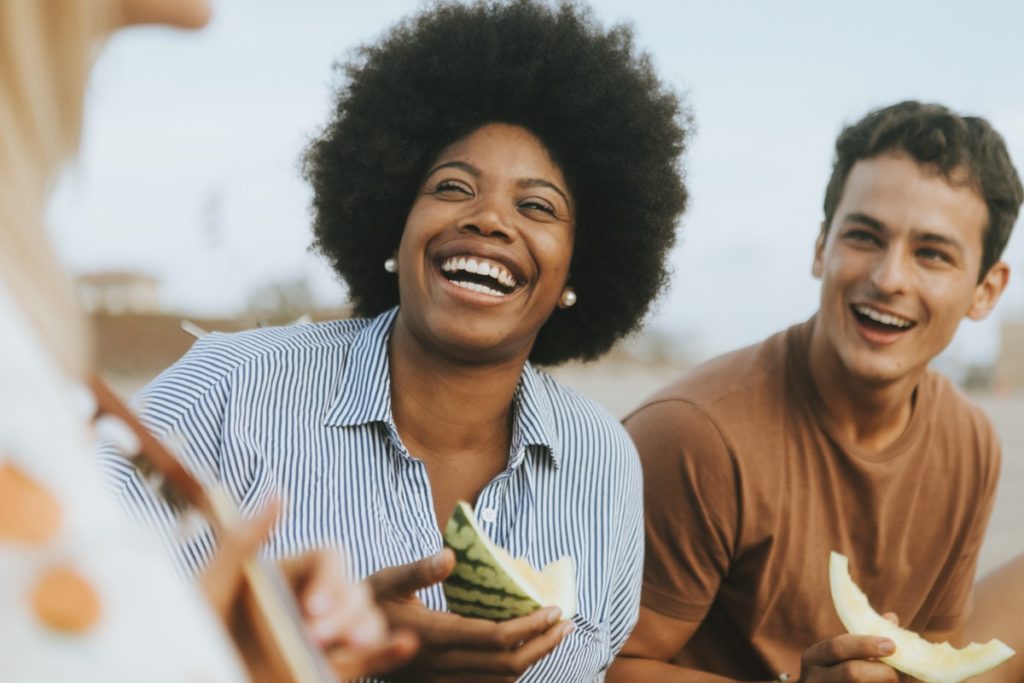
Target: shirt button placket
<point>488,509</point>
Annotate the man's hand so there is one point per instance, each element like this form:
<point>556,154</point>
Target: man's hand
<point>848,659</point>
<point>456,648</point>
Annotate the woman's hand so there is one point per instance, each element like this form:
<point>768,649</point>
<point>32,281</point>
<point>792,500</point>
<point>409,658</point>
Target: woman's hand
<point>456,648</point>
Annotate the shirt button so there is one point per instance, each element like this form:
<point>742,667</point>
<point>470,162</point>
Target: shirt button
<point>488,515</point>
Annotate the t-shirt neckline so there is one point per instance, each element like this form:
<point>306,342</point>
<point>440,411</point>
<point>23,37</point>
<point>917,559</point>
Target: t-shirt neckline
<point>799,343</point>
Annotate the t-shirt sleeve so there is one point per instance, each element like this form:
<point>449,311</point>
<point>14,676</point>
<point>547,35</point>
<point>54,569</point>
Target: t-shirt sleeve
<point>956,603</point>
<point>691,507</point>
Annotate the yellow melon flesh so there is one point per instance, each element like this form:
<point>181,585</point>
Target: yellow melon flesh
<point>929,662</point>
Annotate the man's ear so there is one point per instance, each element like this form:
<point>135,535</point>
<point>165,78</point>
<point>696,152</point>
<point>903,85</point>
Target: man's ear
<point>819,252</point>
<point>988,291</point>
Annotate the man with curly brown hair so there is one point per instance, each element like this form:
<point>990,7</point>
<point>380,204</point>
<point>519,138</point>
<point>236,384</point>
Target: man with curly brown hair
<point>835,435</point>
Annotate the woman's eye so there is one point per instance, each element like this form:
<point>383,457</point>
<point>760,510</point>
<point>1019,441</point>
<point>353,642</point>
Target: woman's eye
<point>452,186</point>
<point>538,205</point>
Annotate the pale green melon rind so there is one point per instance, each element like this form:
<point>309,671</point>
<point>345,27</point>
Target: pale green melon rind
<point>482,585</point>
<point>926,661</point>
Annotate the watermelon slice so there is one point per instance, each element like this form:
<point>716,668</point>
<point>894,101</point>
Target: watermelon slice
<point>929,662</point>
<point>487,583</point>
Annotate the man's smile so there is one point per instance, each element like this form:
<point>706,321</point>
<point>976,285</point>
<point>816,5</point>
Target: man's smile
<point>879,326</point>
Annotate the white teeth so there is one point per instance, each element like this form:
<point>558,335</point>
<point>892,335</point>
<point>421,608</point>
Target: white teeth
<point>884,318</point>
<point>479,266</point>
<point>475,287</point>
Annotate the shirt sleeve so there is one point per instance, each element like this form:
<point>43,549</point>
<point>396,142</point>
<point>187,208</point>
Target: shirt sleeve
<point>957,598</point>
<point>691,507</point>
<point>625,599</point>
<point>185,408</point>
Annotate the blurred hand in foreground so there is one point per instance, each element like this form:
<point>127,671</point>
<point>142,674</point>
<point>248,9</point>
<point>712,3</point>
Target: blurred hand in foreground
<point>340,616</point>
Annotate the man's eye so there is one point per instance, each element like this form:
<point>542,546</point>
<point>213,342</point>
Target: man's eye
<point>862,236</point>
<point>933,255</point>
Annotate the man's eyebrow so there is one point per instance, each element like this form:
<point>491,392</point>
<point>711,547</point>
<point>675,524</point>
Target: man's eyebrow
<point>467,167</point>
<point>936,238</point>
<point>919,235</point>
<point>540,182</point>
<point>865,219</point>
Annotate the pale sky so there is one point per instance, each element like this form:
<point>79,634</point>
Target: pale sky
<point>190,159</point>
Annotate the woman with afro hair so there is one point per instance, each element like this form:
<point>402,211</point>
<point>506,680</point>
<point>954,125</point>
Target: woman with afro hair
<point>498,187</point>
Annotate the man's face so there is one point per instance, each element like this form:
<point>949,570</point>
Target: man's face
<point>899,267</point>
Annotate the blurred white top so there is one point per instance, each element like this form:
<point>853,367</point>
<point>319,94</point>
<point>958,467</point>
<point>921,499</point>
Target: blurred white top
<point>152,626</point>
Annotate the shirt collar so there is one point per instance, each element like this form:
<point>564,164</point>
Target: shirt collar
<point>363,393</point>
<point>533,423</point>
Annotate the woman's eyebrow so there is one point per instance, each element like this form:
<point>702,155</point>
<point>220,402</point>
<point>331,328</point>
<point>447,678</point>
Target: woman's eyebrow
<point>467,167</point>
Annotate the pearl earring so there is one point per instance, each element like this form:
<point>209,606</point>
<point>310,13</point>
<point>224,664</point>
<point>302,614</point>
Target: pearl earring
<point>391,265</point>
<point>568,298</point>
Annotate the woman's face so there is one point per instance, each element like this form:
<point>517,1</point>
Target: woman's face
<point>177,13</point>
<point>487,244</point>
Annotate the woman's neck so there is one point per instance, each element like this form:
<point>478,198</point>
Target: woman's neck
<point>443,406</point>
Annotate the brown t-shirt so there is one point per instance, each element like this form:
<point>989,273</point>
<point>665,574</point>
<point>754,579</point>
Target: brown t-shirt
<point>748,487</point>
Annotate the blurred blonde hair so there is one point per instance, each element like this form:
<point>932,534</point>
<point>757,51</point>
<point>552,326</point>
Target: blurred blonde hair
<point>46,50</point>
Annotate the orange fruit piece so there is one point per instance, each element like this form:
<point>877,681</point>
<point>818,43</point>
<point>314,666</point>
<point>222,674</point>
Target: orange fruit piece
<point>65,601</point>
<point>28,512</point>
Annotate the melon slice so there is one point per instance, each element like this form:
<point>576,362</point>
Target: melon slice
<point>929,662</point>
<point>487,583</point>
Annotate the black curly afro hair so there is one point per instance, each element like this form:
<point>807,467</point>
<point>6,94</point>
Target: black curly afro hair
<point>616,132</point>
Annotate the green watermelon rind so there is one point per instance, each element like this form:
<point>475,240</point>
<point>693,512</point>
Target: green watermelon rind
<point>480,586</point>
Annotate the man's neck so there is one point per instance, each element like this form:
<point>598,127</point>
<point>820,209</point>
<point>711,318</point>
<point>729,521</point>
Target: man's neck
<point>869,415</point>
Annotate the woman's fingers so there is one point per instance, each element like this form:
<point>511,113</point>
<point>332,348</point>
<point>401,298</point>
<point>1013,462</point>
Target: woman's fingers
<point>403,580</point>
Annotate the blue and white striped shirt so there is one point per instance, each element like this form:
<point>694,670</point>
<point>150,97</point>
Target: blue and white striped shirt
<point>305,411</point>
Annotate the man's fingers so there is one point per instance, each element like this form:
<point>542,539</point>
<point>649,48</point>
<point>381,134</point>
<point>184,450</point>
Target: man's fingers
<point>404,580</point>
<point>845,647</point>
<point>861,671</point>
<point>893,617</point>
